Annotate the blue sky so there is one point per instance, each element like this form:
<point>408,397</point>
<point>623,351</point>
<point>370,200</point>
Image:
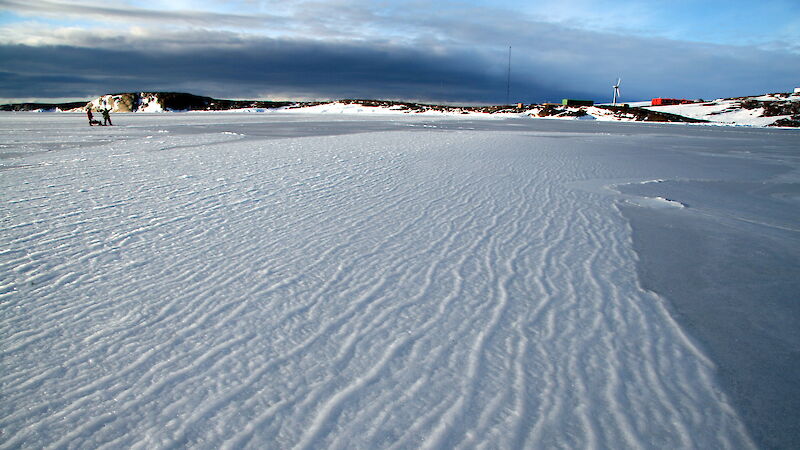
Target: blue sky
<point>443,51</point>
<point>712,21</point>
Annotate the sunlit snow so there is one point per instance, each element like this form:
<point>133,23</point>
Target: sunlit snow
<point>318,281</point>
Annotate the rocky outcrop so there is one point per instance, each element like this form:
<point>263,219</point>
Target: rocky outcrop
<point>785,108</point>
<point>42,106</point>
<point>793,122</point>
<point>115,102</point>
<point>646,115</point>
<point>173,101</point>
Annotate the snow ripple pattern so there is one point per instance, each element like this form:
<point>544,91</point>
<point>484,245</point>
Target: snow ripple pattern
<point>409,289</point>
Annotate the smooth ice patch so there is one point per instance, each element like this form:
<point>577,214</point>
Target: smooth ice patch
<point>656,202</point>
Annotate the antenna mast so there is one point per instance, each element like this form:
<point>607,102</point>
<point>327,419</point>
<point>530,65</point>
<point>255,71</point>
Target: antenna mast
<point>508,81</point>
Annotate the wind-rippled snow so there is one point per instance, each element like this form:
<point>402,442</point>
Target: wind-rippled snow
<point>400,284</point>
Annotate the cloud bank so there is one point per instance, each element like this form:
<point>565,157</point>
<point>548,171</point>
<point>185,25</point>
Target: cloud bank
<point>458,53</point>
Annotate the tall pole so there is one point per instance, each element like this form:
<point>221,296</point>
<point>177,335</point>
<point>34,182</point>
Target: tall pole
<point>508,81</point>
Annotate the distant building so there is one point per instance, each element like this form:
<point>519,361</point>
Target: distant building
<point>573,102</point>
<point>797,90</point>
<point>669,101</point>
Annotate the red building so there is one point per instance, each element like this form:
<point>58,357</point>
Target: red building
<point>669,101</point>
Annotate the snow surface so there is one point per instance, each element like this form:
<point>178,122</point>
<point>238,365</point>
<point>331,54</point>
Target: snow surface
<point>724,112</point>
<point>275,281</point>
<point>340,108</point>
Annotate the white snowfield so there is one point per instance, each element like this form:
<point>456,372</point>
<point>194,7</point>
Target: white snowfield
<point>299,281</point>
<point>730,111</point>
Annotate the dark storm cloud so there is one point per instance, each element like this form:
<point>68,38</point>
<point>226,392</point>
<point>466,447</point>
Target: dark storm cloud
<point>465,62</point>
<point>255,68</point>
<point>590,61</point>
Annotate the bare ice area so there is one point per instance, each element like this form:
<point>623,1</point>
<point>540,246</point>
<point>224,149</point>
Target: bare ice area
<point>657,202</point>
<point>316,281</point>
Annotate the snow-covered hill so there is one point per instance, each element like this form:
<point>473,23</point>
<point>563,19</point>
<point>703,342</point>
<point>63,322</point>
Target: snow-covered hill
<point>149,102</point>
<point>781,109</point>
<point>774,110</point>
<point>128,102</point>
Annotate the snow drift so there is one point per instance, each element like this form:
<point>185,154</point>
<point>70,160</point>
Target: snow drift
<point>252,280</point>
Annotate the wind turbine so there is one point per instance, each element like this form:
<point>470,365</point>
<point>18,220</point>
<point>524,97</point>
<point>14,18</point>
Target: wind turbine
<point>616,90</point>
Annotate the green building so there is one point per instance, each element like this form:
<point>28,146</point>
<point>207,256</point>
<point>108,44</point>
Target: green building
<point>573,102</point>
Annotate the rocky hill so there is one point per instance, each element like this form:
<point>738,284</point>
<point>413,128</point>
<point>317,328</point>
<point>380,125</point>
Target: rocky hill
<point>776,110</point>
<point>42,106</point>
<point>769,110</point>
<point>148,102</point>
<point>173,101</point>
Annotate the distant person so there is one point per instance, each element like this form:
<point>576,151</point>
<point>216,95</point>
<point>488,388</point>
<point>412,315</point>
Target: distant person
<point>107,117</point>
<point>89,115</point>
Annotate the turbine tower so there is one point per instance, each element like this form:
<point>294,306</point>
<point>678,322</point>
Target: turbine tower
<point>508,81</point>
<point>616,90</point>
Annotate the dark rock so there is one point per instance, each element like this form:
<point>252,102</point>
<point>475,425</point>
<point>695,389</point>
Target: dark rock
<point>41,106</point>
<point>793,122</point>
